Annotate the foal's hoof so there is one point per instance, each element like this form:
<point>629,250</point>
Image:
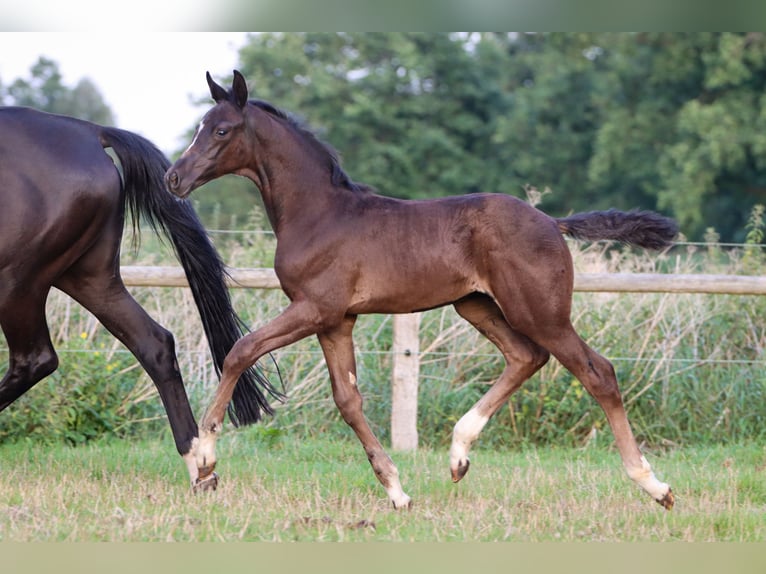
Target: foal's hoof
<point>668,500</point>
<point>207,484</point>
<point>461,470</point>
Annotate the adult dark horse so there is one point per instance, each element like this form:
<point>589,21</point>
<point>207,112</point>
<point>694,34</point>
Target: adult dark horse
<point>62,210</point>
<point>343,250</point>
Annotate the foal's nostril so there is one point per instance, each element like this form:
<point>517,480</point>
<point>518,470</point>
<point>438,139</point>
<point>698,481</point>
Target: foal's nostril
<point>172,179</point>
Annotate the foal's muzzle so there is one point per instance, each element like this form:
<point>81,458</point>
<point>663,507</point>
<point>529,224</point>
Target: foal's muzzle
<point>171,179</point>
<point>173,183</point>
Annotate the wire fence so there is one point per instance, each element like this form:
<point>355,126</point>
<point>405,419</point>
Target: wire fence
<point>436,354</point>
<point>676,244</point>
<point>443,355</point>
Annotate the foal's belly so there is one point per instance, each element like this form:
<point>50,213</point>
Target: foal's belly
<point>403,293</point>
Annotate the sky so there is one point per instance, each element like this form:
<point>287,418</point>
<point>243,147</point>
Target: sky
<point>148,79</point>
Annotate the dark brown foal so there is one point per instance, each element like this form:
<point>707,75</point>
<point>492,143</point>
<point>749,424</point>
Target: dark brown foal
<point>343,250</point>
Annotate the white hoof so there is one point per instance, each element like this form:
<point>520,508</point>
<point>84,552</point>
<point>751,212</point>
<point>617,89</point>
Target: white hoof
<point>403,502</point>
<point>205,453</point>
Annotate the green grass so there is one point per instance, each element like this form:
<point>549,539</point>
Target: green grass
<point>690,369</point>
<point>285,487</point>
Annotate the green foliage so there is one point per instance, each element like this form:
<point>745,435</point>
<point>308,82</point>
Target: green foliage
<point>754,258</point>
<point>408,111</point>
<point>671,121</point>
<point>95,394</point>
<point>668,121</point>
<point>45,91</point>
<point>623,120</point>
<point>689,366</point>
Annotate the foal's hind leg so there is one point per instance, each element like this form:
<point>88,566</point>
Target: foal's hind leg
<point>338,348</point>
<point>598,377</point>
<point>30,351</point>
<point>523,357</point>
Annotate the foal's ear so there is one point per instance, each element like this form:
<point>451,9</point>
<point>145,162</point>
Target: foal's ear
<point>217,92</point>
<point>239,89</point>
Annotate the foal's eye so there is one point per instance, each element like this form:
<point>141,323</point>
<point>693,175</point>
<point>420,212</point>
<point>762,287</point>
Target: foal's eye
<point>221,132</point>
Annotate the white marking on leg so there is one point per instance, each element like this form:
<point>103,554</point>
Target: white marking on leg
<point>190,458</point>
<point>399,499</point>
<point>352,379</point>
<point>466,431</point>
<point>395,492</point>
<point>644,477</point>
<point>205,455</point>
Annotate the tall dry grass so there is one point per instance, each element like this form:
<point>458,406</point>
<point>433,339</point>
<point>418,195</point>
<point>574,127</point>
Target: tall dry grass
<point>690,366</point>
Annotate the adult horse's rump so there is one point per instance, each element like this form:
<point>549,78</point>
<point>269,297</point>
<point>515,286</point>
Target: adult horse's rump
<point>343,250</point>
<point>62,209</point>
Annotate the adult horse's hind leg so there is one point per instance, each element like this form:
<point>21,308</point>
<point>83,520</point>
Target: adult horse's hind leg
<point>523,357</point>
<point>338,348</point>
<point>30,351</point>
<point>106,297</point>
<point>598,377</point>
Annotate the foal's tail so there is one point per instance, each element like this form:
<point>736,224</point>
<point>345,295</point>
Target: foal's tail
<point>640,228</point>
<point>143,170</point>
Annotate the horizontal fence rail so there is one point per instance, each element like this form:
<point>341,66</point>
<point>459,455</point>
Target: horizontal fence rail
<point>265,278</point>
<point>666,283</point>
<point>405,351</point>
<point>146,276</point>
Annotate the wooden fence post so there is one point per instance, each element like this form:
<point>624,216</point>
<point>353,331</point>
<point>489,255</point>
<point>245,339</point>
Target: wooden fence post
<point>405,373</point>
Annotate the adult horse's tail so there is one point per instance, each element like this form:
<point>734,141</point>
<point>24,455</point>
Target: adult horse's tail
<point>143,170</point>
<point>640,228</point>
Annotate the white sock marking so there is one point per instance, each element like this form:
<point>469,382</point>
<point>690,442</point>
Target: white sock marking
<point>644,477</point>
<point>466,431</point>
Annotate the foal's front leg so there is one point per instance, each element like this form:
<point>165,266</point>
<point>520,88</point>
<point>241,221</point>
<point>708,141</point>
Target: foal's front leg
<point>299,320</point>
<point>338,348</point>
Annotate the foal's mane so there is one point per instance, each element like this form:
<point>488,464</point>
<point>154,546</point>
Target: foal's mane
<point>338,176</point>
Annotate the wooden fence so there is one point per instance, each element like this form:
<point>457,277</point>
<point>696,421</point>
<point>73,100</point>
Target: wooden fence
<point>406,361</point>
<point>258,278</point>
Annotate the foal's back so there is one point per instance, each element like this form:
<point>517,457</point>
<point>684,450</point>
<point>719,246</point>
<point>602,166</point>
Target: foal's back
<point>399,256</point>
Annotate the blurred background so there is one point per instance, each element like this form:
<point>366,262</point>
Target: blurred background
<point>674,122</point>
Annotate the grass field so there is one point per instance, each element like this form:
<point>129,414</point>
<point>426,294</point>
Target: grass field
<point>277,487</point>
<point>690,368</point>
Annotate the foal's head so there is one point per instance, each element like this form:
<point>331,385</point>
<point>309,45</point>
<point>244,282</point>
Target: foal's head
<point>226,142</point>
<point>220,144</point>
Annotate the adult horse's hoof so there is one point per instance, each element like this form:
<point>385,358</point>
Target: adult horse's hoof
<point>460,470</point>
<point>207,484</point>
<point>668,500</point>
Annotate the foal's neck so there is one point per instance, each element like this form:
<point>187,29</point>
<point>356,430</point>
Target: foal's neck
<point>295,179</point>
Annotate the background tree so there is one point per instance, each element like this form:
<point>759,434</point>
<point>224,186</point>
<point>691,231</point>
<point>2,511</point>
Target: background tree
<point>410,113</point>
<point>684,125</point>
<point>666,121</point>
<point>663,121</point>
<point>45,91</point>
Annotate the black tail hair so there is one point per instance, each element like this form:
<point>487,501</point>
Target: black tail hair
<point>143,169</point>
<point>644,229</point>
